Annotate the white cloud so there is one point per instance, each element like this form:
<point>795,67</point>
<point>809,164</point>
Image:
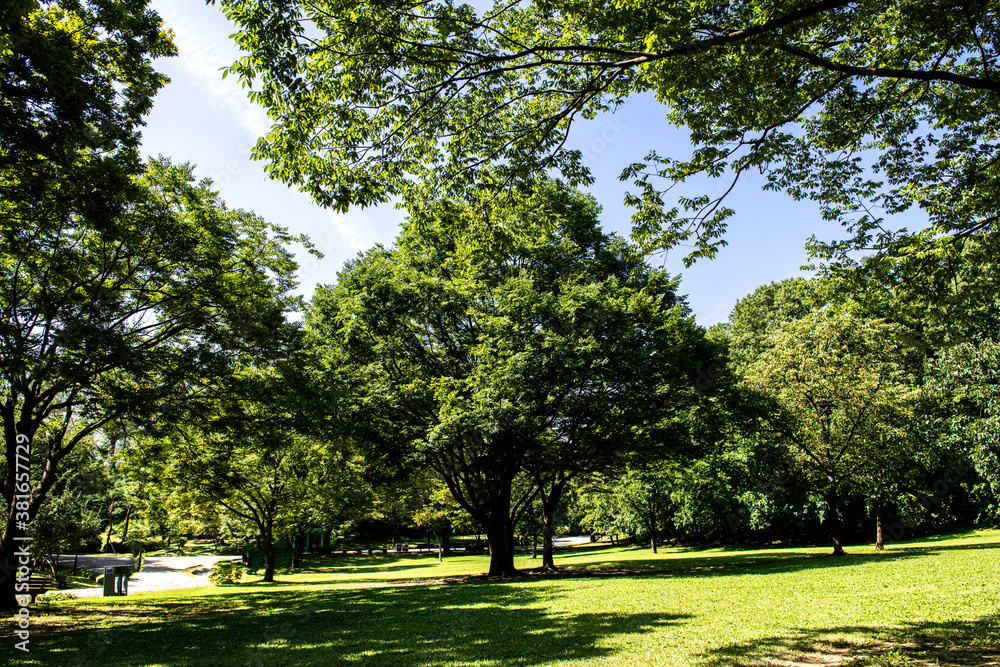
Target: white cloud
<point>204,48</point>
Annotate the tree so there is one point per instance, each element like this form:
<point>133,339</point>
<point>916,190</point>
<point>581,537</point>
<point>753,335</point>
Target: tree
<point>442,515</point>
<point>76,507</point>
<point>118,278</point>
<point>478,349</point>
<point>964,386</point>
<point>630,502</point>
<point>760,313</point>
<point>867,106</point>
<point>844,393</point>
<point>117,315</point>
<point>246,447</point>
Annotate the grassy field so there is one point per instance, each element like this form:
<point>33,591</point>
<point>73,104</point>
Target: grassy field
<point>932,602</point>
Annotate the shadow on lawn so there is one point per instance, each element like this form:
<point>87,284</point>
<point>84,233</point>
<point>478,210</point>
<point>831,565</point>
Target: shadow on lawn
<point>363,564</point>
<point>443,625</point>
<point>756,563</point>
<point>951,644</point>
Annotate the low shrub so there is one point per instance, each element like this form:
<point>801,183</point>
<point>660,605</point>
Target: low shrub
<point>226,572</point>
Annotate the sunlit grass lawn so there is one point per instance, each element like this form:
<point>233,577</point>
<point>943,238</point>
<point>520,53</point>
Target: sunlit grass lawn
<point>934,602</point>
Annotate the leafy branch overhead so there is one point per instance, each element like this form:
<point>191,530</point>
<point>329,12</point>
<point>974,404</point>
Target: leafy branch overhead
<point>868,107</point>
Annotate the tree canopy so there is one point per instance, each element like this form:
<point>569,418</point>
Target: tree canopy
<point>476,353</point>
<point>869,107</point>
<point>845,392</point>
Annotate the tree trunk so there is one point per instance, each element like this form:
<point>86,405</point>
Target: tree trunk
<point>550,502</point>
<point>879,523</point>
<point>128,515</point>
<point>111,530</point>
<point>534,546</point>
<point>652,527</point>
<point>446,541</point>
<point>298,546</point>
<point>8,569</point>
<point>501,544</point>
<point>270,556</point>
<point>833,521</point>
<point>548,534</point>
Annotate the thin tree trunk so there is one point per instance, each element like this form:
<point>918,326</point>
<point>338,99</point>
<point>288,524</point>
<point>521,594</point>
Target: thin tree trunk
<point>111,530</point>
<point>550,502</point>
<point>8,568</point>
<point>548,535</point>
<point>652,527</point>
<point>298,546</point>
<point>267,546</point>
<point>128,515</point>
<point>879,523</point>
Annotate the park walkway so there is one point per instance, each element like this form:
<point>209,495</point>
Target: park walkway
<point>159,573</point>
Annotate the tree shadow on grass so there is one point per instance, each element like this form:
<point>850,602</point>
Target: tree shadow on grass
<point>366,564</point>
<point>916,644</point>
<point>441,625</point>
<point>761,562</point>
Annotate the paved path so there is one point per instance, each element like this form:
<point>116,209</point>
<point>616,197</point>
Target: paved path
<point>159,573</point>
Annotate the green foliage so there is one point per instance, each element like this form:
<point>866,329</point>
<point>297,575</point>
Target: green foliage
<point>477,348</point>
<point>945,297</point>
<point>629,505</point>
<point>75,514</point>
<point>963,386</point>
<point>441,513</point>
<point>226,572</point>
<point>870,108</point>
<point>246,448</point>
<point>845,395</point>
<point>759,314</point>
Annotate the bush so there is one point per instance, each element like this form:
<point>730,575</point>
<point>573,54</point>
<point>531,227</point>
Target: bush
<point>226,572</point>
<point>55,596</point>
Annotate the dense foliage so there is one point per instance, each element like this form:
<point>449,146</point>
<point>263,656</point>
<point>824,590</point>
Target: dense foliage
<point>869,107</point>
<point>545,347</point>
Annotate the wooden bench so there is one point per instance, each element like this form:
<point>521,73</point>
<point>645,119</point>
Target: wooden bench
<point>38,586</point>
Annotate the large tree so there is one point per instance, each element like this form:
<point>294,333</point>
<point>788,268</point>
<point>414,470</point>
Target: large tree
<point>870,107</point>
<point>844,394</point>
<point>245,445</point>
<point>117,314</point>
<point>478,349</point>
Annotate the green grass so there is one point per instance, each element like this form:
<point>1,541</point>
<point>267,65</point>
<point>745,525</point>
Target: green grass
<point>82,579</point>
<point>934,602</point>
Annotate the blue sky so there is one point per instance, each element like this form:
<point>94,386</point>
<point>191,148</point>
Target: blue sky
<point>203,119</point>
